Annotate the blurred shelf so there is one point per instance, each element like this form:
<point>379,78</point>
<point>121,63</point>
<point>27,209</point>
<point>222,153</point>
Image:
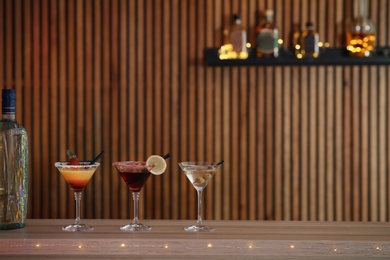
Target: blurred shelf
<point>329,56</point>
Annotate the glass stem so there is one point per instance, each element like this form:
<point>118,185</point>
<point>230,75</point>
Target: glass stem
<point>77,197</point>
<point>136,199</point>
<point>199,222</point>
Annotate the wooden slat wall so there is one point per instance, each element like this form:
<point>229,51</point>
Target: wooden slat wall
<point>128,77</point>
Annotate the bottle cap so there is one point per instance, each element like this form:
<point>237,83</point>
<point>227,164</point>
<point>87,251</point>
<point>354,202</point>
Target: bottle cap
<point>309,24</point>
<point>237,17</point>
<point>8,100</point>
<point>269,13</point>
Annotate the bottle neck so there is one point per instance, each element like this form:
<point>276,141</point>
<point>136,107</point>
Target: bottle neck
<point>8,110</point>
<point>8,116</point>
<point>270,19</point>
<point>362,8</point>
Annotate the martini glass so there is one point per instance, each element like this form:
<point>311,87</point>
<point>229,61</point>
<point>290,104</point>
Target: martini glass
<point>77,177</point>
<point>199,174</point>
<point>135,174</point>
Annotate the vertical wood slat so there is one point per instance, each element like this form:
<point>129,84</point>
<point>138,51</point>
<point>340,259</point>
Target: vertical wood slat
<point>54,97</point>
<point>90,149</point>
<point>181,197</point>
<point>157,127</point>
<point>226,134</point>
<point>305,145</point>
<point>44,101</point>
<point>170,144</point>
<point>166,100</point>
<point>62,102</point>
<point>123,104</point>
<point>149,112</point>
<point>373,139</point>
<point>2,43</point>
<point>131,97</point>
<point>321,146</point>
<point>105,113</point>
<point>209,117</point>
<point>329,144</point>
<point>382,138</point>
<point>338,150</point>
<point>269,130</point>
<point>286,157</point>
<point>252,119</point>
<point>278,154</point>
<point>295,146</point>
<point>128,77</point>
<point>347,145</point>
<point>361,183</point>
<point>70,111</point>
<point>313,164</point>
<point>190,118</point>
<point>113,92</point>
<point>35,128</point>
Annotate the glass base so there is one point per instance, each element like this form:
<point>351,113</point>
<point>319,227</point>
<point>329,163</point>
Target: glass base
<point>135,227</point>
<point>77,227</point>
<point>197,228</point>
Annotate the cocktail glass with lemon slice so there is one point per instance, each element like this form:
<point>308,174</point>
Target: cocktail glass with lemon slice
<point>199,174</point>
<point>135,174</point>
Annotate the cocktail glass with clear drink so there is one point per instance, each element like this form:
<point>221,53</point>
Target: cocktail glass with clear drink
<point>199,174</point>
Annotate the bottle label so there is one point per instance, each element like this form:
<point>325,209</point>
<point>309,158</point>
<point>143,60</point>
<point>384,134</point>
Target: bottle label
<point>238,41</point>
<point>265,41</point>
<point>309,44</point>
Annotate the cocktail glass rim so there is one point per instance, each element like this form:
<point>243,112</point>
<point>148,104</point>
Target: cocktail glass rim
<point>132,165</point>
<point>84,165</point>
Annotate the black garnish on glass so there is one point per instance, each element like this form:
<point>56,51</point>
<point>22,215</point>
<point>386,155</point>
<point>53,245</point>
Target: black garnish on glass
<point>97,158</point>
<point>221,162</point>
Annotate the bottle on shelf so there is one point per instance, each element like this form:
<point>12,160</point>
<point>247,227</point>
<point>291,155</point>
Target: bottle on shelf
<point>361,36</point>
<point>234,41</point>
<point>238,38</point>
<point>295,40</point>
<point>267,37</point>
<point>309,42</point>
<point>13,166</point>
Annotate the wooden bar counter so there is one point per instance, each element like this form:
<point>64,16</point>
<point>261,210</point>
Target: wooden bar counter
<point>44,239</point>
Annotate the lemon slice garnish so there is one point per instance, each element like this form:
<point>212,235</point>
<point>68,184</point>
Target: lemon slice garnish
<point>159,164</point>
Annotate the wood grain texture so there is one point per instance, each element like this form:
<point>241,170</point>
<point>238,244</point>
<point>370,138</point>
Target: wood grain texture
<point>129,78</point>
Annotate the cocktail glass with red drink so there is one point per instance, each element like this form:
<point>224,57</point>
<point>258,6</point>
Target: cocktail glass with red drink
<point>135,174</point>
